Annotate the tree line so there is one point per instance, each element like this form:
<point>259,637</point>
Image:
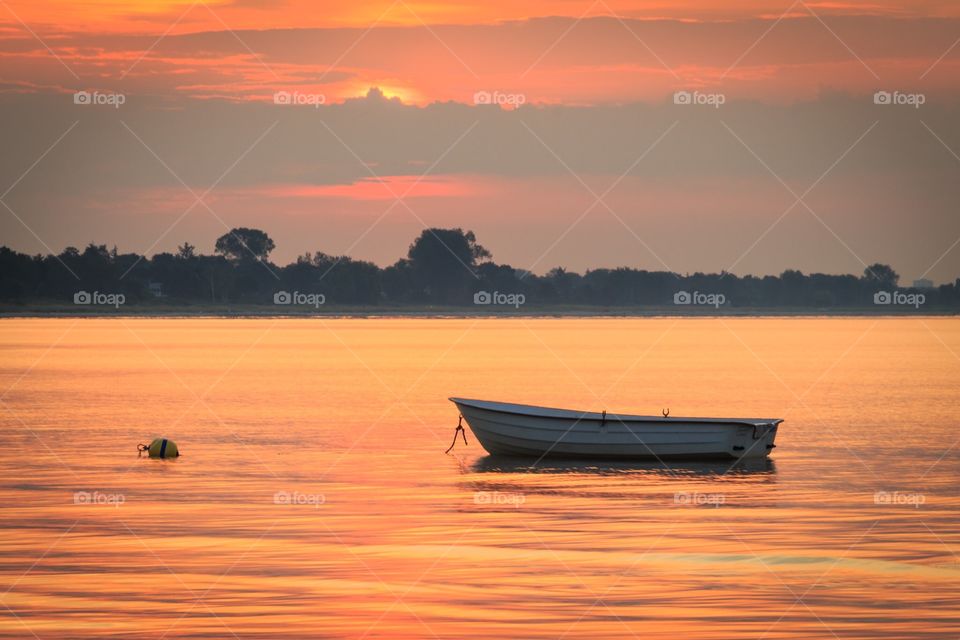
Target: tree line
<point>443,267</point>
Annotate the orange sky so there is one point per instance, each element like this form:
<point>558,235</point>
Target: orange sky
<point>550,52</point>
<point>596,80</point>
<point>185,16</point>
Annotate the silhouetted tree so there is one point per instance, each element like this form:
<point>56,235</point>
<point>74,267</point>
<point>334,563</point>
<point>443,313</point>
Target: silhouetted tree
<point>186,251</point>
<point>444,264</point>
<point>793,287</point>
<point>217,275</point>
<point>881,276</point>
<point>398,282</point>
<point>243,244</point>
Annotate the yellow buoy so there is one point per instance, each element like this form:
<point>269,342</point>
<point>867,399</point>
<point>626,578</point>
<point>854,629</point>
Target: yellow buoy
<point>160,448</point>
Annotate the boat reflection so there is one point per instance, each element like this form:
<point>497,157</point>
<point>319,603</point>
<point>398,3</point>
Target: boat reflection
<point>513,464</point>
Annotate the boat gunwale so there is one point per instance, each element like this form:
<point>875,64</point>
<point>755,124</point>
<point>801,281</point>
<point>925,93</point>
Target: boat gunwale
<point>592,416</point>
<point>566,441</point>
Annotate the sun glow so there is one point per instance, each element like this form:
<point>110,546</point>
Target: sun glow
<point>406,95</point>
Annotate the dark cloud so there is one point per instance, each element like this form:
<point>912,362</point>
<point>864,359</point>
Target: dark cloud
<point>199,139</point>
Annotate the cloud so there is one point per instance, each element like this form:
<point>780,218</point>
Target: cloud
<point>597,60</point>
<point>329,144</point>
<point>596,106</point>
<point>513,175</point>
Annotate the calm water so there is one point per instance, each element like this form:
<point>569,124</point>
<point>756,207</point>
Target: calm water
<point>313,497</point>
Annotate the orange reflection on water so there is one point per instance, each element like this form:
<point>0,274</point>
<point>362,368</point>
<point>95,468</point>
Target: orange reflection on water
<point>313,498</point>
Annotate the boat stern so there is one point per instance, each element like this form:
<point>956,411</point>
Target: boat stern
<point>755,440</point>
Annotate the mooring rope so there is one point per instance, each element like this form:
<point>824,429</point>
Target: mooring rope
<point>461,431</point>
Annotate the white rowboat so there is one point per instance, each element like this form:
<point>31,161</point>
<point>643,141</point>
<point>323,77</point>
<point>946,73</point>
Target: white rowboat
<point>524,430</point>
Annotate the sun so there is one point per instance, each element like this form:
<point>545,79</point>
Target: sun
<point>406,95</point>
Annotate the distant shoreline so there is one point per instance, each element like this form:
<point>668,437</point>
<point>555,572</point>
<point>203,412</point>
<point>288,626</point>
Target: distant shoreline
<point>271,311</point>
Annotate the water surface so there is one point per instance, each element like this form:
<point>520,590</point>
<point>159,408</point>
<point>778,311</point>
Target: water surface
<point>313,498</point>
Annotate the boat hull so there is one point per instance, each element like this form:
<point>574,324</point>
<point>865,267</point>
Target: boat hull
<point>502,429</point>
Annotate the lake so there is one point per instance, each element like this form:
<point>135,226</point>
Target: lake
<point>313,497</point>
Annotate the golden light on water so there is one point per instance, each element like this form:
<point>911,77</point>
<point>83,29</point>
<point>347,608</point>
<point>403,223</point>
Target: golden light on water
<point>313,496</point>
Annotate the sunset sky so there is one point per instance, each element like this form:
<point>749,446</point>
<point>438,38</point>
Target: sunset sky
<point>584,160</point>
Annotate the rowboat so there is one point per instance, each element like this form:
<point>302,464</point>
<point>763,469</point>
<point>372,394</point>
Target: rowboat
<point>505,428</point>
